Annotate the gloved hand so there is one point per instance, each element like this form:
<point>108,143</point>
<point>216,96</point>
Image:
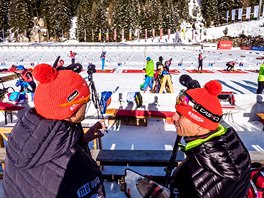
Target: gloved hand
<point>19,82</point>
<point>96,131</point>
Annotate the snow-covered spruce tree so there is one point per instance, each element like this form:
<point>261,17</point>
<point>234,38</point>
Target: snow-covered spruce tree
<point>85,21</point>
<point>223,6</point>
<point>168,16</point>
<point>210,12</point>
<point>125,16</point>
<point>57,15</point>
<point>74,6</point>
<point>101,23</point>
<point>147,17</point>
<point>4,17</point>
<point>18,16</point>
<point>181,8</point>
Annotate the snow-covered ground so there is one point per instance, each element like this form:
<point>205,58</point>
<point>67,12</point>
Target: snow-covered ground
<point>158,134</point>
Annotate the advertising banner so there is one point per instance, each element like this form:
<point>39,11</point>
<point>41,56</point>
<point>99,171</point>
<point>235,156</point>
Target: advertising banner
<point>224,44</point>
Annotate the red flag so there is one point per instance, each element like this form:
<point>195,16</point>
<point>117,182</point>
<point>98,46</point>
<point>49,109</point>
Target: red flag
<point>161,33</point>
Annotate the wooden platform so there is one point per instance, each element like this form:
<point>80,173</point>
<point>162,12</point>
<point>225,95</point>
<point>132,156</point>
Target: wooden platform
<point>136,157</point>
<point>8,77</point>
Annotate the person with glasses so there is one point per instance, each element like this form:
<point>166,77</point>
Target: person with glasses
<point>46,153</point>
<point>217,163</point>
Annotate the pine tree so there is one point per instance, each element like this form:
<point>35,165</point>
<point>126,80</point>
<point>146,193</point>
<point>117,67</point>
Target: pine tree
<point>168,16</point>
<point>57,15</point>
<point>210,12</point>
<point>223,6</point>
<point>4,17</point>
<point>18,16</point>
<point>85,22</point>
<point>101,23</point>
<point>125,16</point>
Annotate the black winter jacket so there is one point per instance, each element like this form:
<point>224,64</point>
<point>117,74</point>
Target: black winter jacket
<point>45,158</point>
<point>217,168</point>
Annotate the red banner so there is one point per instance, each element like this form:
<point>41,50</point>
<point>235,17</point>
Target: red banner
<point>224,44</point>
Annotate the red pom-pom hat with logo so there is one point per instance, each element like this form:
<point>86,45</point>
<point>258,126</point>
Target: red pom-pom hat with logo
<point>57,88</point>
<point>210,105</point>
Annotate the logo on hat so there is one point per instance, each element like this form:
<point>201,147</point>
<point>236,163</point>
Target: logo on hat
<point>72,96</point>
<point>195,117</point>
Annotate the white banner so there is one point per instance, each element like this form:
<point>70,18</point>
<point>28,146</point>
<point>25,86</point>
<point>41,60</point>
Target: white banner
<point>227,15</point>
<point>256,10</point>
<point>240,10</point>
<point>248,12</point>
<point>263,11</point>
<point>233,14</point>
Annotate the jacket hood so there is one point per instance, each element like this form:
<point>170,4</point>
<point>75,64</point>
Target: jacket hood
<point>35,140</point>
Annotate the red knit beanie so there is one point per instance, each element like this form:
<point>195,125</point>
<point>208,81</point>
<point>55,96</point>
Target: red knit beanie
<point>56,88</point>
<point>208,111</point>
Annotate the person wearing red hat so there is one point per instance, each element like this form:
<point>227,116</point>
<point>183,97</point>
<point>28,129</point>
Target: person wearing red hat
<point>47,154</point>
<point>217,162</point>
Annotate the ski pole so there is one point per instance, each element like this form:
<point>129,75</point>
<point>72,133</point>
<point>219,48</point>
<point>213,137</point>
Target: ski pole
<point>170,166</point>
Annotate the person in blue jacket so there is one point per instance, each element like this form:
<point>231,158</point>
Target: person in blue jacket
<point>102,57</point>
<point>47,154</point>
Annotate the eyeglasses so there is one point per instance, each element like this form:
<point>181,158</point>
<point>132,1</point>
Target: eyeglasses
<point>80,101</point>
<point>184,99</point>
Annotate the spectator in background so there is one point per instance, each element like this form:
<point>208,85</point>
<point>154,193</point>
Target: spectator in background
<point>159,63</point>
<point>230,65</point>
<point>102,57</point>
<point>149,74</point>
<point>72,56</point>
<point>217,162</point>
<point>261,79</point>
<point>167,65</point>
<point>47,154</point>
<point>60,63</point>
<point>200,61</point>
<point>25,75</point>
